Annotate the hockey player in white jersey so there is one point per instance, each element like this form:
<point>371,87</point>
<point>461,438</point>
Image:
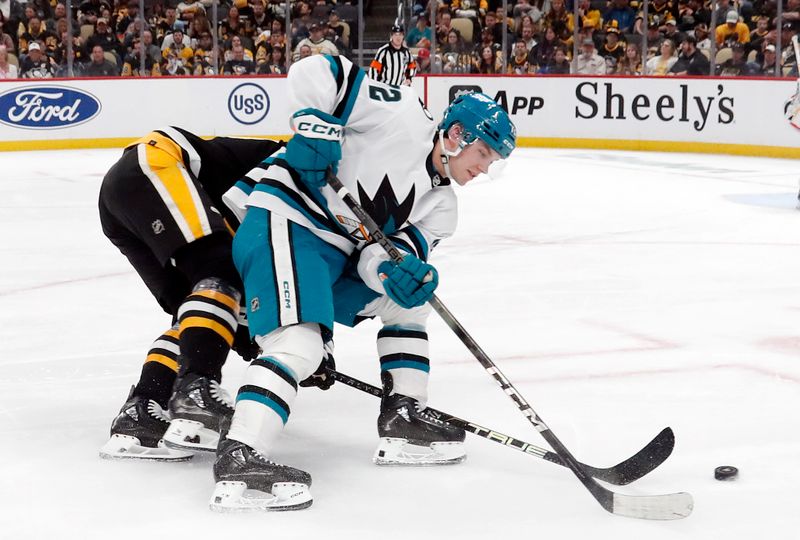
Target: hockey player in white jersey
<point>306,262</point>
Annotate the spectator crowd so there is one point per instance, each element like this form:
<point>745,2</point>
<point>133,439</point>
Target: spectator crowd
<point>109,38</point>
<point>612,35</point>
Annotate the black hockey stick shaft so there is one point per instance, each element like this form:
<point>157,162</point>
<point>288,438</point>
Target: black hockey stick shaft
<point>663,508</point>
<point>633,468</point>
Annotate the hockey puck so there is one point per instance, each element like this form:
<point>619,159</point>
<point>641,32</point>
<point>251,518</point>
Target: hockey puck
<point>726,472</point>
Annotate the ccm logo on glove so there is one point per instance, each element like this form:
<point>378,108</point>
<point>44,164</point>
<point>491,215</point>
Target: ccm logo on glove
<point>318,131</point>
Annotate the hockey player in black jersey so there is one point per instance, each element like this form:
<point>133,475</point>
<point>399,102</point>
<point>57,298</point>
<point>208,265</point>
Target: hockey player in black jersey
<point>161,205</point>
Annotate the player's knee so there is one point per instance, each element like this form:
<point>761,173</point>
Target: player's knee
<point>212,308</point>
<point>219,286</point>
<point>298,348</point>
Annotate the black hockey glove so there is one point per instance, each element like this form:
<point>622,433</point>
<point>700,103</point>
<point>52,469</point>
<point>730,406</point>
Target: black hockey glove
<point>244,346</point>
<point>321,378</point>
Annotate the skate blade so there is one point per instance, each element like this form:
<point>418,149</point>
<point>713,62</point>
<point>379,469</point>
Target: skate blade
<point>190,435</point>
<point>127,447</point>
<point>392,451</point>
<point>235,497</point>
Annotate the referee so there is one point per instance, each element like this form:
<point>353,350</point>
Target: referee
<point>393,63</point>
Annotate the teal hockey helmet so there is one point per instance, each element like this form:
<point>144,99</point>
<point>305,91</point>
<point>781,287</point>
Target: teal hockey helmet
<point>481,118</point>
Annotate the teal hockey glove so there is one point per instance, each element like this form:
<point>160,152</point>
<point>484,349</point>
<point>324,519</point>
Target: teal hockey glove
<point>315,146</point>
<point>409,283</point>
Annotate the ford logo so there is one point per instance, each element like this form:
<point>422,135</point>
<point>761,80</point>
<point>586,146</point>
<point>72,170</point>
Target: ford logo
<point>47,107</point>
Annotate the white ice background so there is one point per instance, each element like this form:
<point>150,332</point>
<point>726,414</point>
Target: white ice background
<point>620,293</point>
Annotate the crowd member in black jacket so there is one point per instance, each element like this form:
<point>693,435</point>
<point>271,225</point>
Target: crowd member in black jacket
<point>691,61</point>
<point>99,66</point>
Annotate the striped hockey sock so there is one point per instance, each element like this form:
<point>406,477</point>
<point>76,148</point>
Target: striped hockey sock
<point>160,368</point>
<point>263,404</point>
<point>208,321</point>
<point>404,353</point>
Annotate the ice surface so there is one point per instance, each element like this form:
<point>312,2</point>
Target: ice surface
<point>619,292</point>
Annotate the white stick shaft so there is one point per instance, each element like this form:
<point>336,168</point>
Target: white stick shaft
<point>796,44</point>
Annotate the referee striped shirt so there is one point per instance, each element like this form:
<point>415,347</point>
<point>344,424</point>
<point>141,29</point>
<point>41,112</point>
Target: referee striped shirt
<point>392,66</point>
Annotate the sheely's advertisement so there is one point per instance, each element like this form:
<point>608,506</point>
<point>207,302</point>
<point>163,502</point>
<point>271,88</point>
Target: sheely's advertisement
<point>717,111</point>
<point>724,111</point>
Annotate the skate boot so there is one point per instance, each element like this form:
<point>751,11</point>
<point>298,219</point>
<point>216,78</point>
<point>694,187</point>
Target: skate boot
<point>247,481</point>
<point>410,436</point>
<point>199,410</point>
<point>137,433</point>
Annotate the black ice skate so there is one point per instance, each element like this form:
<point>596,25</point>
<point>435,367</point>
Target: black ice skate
<point>247,481</point>
<point>137,433</point>
<point>410,436</point>
<point>199,410</point>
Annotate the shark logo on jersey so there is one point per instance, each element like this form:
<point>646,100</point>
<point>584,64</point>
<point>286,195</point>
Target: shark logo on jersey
<point>385,209</point>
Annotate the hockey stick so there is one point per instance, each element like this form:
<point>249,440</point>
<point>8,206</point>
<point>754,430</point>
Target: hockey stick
<point>633,468</point>
<point>670,506</point>
<point>796,45</point>
<point>792,107</point>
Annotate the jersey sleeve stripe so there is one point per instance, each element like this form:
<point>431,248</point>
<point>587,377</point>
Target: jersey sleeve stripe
<point>402,244</point>
<point>337,69</point>
<point>293,199</point>
<point>416,238</point>
<point>345,107</point>
<point>193,162</point>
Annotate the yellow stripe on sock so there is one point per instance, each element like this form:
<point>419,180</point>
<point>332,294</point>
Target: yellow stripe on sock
<point>164,360</point>
<point>202,322</point>
<point>220,297</point>
<point>173,333</point>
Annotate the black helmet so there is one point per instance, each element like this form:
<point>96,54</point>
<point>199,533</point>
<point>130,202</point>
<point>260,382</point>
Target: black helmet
<point>398,28</point>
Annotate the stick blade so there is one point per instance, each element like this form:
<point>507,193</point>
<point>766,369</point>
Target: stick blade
<point>656,507</point>
<point>641,463</point>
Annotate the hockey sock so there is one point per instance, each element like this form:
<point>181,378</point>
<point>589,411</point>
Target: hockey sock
<point>263,404</point>
<point>208,321</point>
<point>404,354</point>
<point>160,368</point>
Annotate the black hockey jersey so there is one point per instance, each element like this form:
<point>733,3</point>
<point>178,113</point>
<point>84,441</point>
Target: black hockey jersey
<point>216,163</point>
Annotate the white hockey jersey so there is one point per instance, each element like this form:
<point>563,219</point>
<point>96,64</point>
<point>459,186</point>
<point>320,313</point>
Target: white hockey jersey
<point>386,164</point>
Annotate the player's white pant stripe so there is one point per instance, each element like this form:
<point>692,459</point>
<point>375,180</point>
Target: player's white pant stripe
<point>284,270</point>
<point>172,206</point>
<point>196,305</point>
<point>194,157</point>
<point>167,346</point>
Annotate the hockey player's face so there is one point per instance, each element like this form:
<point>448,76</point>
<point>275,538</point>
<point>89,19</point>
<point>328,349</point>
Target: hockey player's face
<point>472,161</point>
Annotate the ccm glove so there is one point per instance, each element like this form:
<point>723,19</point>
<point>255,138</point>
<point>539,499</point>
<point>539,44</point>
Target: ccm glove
<point>315,146</point>
<point>410,283</point>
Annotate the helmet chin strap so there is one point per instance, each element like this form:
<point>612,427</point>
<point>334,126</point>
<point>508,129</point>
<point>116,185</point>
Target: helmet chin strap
<point>447,154</point>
